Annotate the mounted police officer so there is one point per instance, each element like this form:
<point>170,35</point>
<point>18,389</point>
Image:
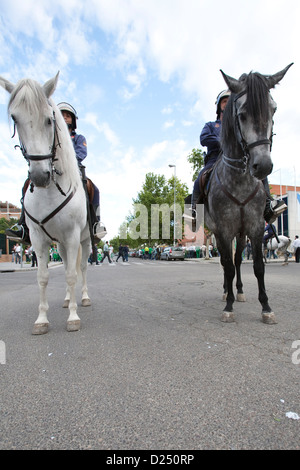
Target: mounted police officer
<point>210,137</point>
<point>20,231</point>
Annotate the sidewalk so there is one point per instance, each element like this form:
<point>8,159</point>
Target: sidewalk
<point>12,267</point>
<point>216,259</point>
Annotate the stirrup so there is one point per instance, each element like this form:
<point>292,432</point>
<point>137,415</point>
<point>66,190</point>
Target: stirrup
<point>17,235</point>
<point>191,216</point>
<point>273,210</point>
<point>99,230</point>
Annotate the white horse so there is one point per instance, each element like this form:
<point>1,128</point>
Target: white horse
<point>55,206</point>
<point>281,248</point>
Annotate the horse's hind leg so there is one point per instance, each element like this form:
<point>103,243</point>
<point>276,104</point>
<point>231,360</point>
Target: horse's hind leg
<point>259,271</point>
<point>238,261</point>
<point>85,300</point>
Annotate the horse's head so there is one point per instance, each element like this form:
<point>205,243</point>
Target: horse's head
<point>248,119</point>
<point>34,118</point>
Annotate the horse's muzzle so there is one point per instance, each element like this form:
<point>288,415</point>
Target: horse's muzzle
<point>40,179</point>
<point>261,169</point>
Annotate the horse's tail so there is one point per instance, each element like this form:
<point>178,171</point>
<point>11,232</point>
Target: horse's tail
<point>78,262</point>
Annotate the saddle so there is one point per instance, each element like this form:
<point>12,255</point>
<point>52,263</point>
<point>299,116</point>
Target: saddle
<point>204,185</point>
<point>90,189</point>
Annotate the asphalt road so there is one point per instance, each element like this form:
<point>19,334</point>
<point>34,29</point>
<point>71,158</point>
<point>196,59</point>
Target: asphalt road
<point>152,367</point>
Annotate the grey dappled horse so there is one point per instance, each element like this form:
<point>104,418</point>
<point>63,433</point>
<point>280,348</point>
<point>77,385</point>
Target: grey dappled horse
<point>236,199</point>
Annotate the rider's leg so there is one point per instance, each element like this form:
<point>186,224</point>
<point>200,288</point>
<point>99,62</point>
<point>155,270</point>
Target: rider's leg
<point>20,231</point>
<point>99,229</point>
<point>273,207</point>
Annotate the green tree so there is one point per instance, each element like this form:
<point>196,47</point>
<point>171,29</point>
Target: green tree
<point>196,159</point>
<point>156,190</point>
<point>4,224</point>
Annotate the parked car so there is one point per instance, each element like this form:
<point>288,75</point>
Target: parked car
<point>173,252</point>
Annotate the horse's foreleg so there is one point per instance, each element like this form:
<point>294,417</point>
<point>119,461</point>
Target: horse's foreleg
<point>73,322</point>
<point>224,288</point>
<point>238,261</point>
<point>229,273</point>
<point>41,325</point>
<point>259,271</point>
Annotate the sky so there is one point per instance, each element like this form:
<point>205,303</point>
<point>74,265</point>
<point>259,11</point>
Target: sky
<point>143,77</point>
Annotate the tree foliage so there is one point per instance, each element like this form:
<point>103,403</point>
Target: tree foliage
<point>4,224</point>
<point>196,159</point>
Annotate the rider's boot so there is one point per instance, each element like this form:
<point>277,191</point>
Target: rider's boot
<point>273,207</point>
<point>99,230</point>
<point>273,210</point>
<point>19,232</point>
<point>190,211</point>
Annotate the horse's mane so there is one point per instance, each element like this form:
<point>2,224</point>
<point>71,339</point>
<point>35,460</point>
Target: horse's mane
<point>257,105</point>
<point>30,95</point>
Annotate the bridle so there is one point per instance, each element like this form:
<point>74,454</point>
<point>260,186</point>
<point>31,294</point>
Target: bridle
<point>30,157</point>
<point>243,143</point>
<point>50,156</point>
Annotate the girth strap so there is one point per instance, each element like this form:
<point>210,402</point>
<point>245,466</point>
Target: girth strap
<point>236,201</point>
<point>53,213</point>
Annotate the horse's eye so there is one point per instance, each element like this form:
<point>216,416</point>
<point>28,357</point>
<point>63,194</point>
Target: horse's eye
<point>14,119</point>
<point>243,117</point>
<point>49,122</point>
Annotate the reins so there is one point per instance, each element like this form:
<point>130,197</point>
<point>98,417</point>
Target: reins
<point>53,213</point>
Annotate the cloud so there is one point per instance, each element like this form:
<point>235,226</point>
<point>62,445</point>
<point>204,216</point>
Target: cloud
<point>168,124</point>
<point>102,127</point>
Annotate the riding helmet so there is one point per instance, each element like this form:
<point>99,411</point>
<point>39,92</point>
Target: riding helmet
<point>67,107</point>
<point>223,94</point>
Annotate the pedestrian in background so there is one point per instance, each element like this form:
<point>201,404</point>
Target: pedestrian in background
<point>296,245</point>
<point>120,254</point>
<point>106,253</point>
<point>125,252</point>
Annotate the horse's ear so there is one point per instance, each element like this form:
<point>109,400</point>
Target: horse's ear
<point>50,85</point>
<point>234,85</point>
<point>8,86</point>
<point>272,80</point>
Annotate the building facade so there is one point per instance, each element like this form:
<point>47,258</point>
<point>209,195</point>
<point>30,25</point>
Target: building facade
<point>9,211</point>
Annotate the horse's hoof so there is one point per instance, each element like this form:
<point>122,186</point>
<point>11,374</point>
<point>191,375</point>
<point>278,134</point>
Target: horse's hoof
<point>86,302</point>
<point>73,325</point>
<point>66,304</point>
<point>240,297</point>
<point>269,318</point>
<point>227,317</point>
<point>40,328</point>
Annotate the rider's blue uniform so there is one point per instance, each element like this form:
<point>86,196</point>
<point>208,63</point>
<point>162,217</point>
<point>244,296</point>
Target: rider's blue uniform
<point>80,147</point>
<point>210,138</point>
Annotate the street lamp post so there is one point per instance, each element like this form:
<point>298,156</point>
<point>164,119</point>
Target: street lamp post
<point>174,166</point>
